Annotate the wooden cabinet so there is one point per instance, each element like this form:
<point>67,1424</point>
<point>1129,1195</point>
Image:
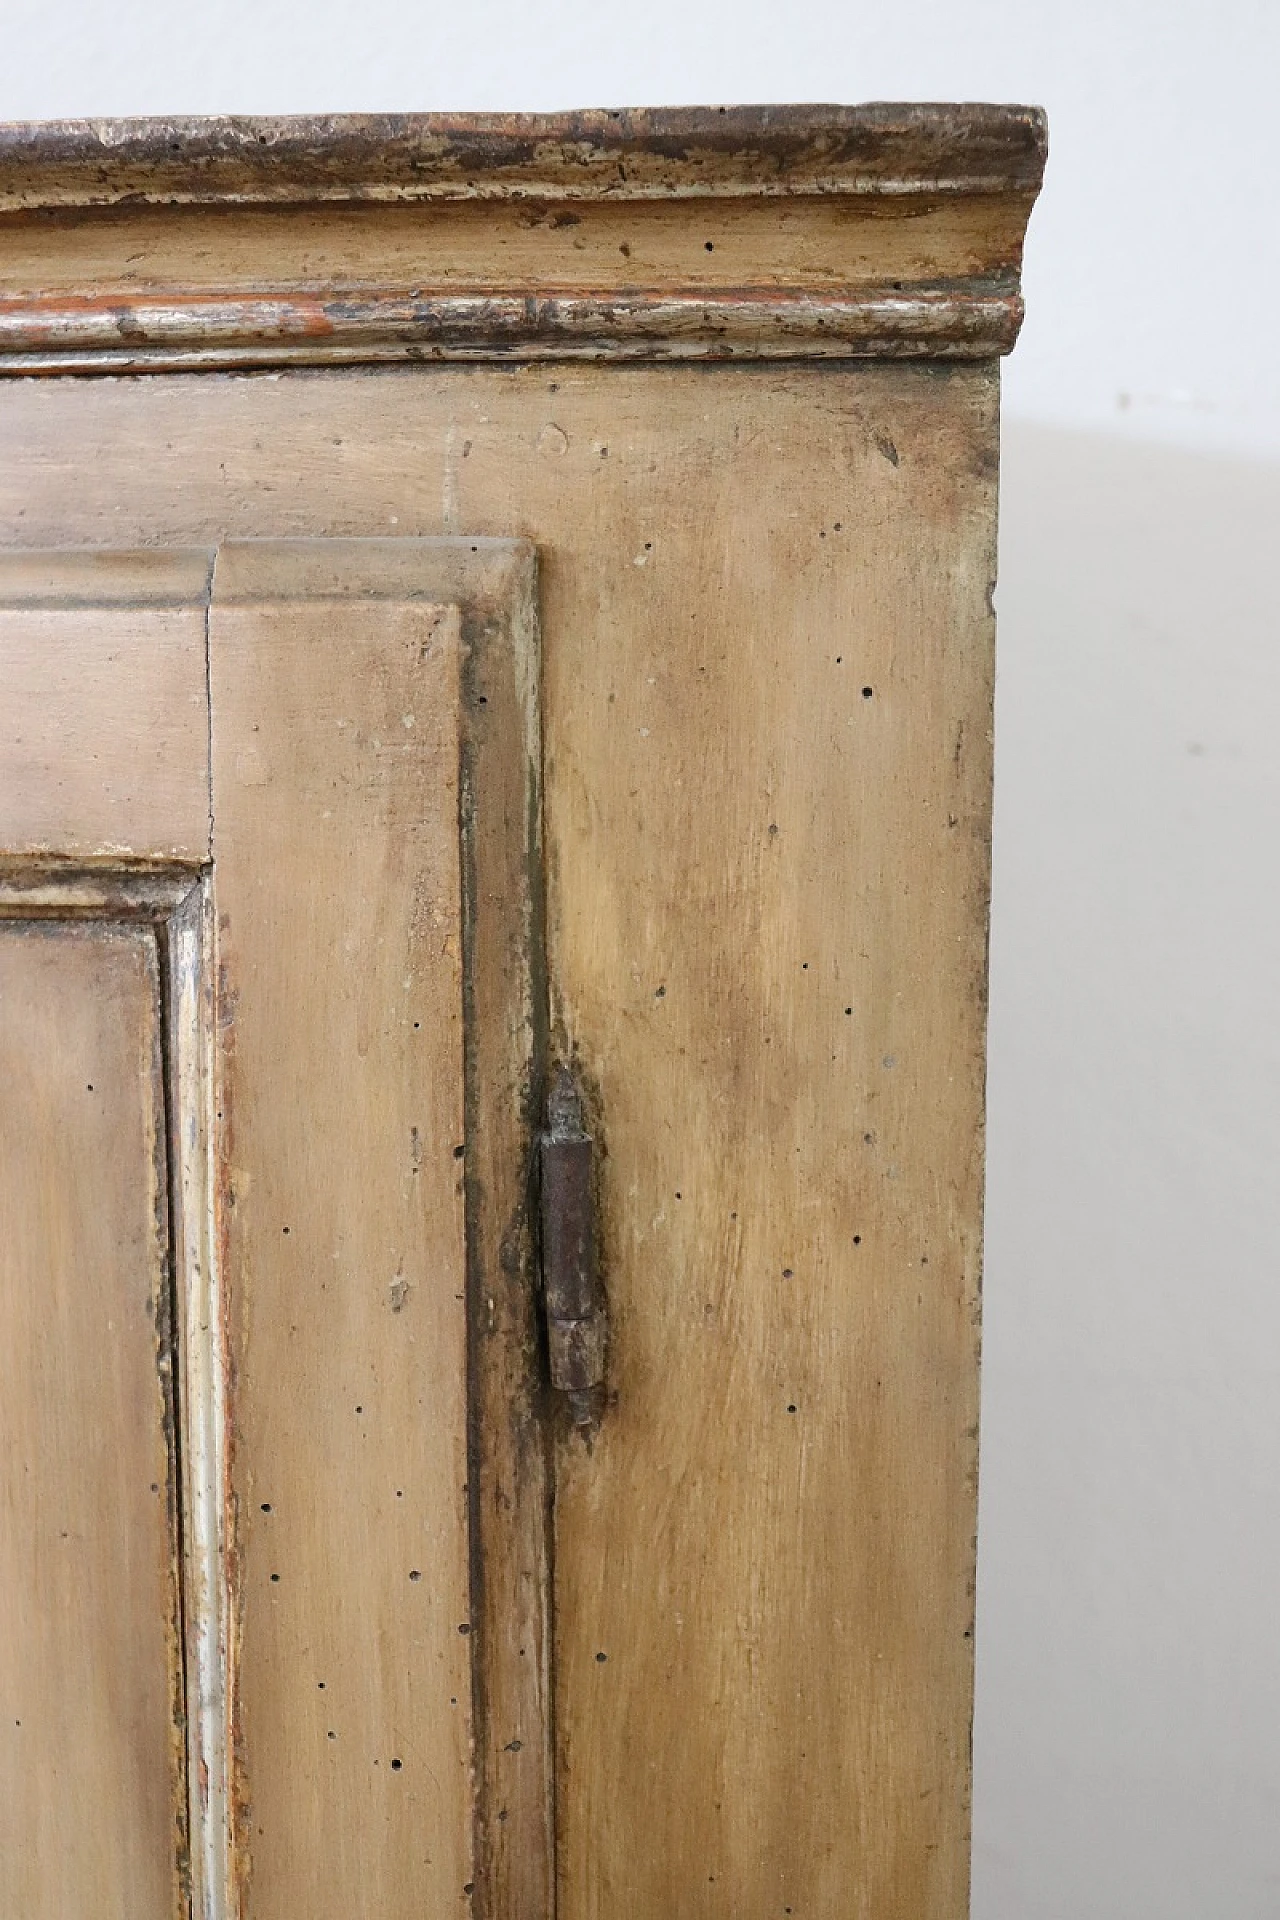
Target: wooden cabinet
<point>481,598</point>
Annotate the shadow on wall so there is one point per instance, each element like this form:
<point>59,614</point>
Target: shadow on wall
<point>1127,1754</point>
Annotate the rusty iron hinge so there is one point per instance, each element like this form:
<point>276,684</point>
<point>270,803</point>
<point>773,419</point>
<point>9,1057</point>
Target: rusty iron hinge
<point>576,1321</point>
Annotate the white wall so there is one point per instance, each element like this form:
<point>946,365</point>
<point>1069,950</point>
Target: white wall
<point>1128,1733</point>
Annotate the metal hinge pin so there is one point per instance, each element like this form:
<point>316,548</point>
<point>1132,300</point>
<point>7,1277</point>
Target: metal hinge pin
<point>576,1321</point>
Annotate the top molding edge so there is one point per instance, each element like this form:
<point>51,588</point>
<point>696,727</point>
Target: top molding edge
<point>632,154</point>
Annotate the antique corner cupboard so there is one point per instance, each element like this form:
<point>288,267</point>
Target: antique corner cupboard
<point>495,756</point>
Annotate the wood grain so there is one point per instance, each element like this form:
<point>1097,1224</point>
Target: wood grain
<point>92,1780</point>
<point>337,890</point>
<point>488,804</point>
<point>712,1657</point>
<point>768,818</point>
<point>340,672</point>
<point>506,1018</point>
<point>728,557</point>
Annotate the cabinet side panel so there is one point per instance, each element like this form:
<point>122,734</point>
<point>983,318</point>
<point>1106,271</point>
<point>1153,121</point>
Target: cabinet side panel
<point>91,1740</point>
<point>338,895</point>
<point>768,791</point>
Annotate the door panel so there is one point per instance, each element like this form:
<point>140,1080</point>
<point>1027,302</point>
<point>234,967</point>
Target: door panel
<point>92,1767</point>
<point>335,1175</point>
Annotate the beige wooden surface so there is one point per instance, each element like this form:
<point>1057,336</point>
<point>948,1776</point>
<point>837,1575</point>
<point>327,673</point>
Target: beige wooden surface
<point>605,246</point>
<point>437,725</point>
<point>104,722</point>
<point>92,1777</point>
<point>354,685</point>
<point>505,1059</point>
<point>337,885</point>
<point>728,557</point>
<point>769,942</point>
<point>727,1639</point>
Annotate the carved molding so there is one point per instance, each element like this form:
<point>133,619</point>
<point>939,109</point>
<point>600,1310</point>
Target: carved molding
<point>134,335</point>
<point>858,232</point>
<point>631,154</point>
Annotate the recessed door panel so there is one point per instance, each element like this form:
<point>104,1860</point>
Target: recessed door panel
<point>92,1747</point>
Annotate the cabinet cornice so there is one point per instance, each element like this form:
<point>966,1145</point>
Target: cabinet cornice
<point>762,232</point>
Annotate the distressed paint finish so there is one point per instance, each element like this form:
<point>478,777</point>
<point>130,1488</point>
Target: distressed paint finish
<point>769,817</point>
<point>505,988</point>
<point>92,1780</point>
<point>819,232</point>
<point>104,817</point>
<point>165,909</point>
<point>637,152</point>
<point>104,723</point>
<point>373,1162</point>
<point>753,548</point>
<point>477,804</point>
<point>733,379</point>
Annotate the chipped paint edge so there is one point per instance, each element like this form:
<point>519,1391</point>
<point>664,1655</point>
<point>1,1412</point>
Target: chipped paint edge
<point>176,901</point>
<point>194,332</point>
<point>190,1047</point>
<point>879,148</point>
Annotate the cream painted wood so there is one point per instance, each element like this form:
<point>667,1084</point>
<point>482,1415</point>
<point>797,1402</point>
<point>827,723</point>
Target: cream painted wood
<point>339,945</point>
<point>92,1817</point>
<point>703,682</point>
<point>720,1651</point>
<point>104,723</point>
<point>388,688</point>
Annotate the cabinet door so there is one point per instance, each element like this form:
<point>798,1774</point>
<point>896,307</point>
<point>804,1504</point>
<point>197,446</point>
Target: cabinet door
<point>266,957</point>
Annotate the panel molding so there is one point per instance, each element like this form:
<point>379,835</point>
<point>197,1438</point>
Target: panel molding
<point>493,584</point>
<point>191,333</point>
<point>175,902</point>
